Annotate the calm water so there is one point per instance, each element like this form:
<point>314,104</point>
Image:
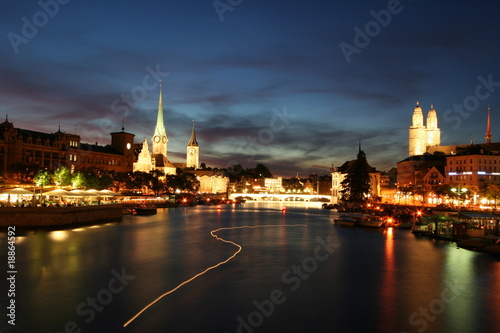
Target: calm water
<point>316,277</point>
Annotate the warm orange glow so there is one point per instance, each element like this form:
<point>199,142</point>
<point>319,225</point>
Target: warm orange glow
<point>213,233</point>
<point>58,235</point>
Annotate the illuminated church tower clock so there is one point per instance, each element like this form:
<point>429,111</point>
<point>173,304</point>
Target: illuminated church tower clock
<point>193,152</point>
<point>160,139</point>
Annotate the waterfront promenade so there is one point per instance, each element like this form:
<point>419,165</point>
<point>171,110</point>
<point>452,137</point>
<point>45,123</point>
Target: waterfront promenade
<point>59,216</point>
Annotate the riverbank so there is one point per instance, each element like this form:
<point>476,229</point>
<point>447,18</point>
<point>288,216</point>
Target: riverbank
<point>59,216</point>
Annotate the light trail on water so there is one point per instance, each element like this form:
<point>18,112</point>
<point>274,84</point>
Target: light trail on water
<point>213,233</point>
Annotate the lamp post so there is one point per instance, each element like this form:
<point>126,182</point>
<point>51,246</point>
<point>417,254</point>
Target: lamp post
<point>459,191</point>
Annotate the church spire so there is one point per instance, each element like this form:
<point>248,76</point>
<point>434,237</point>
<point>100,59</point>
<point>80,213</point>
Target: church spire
<point>160,134</point>
<point>192,140</point>
<point>488,127</point>
<point>160,124</point>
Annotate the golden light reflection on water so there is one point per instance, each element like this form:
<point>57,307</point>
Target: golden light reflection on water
<point>494,295</point>
<point>59,235</point>
<point>388,288</point>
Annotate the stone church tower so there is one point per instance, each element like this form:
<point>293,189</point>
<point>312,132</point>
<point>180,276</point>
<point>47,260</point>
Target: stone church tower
<point>421,137</point>
<point>193,152</point>
<point>160,141</point>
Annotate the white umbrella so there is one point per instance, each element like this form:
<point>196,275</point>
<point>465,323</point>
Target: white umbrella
<point>91,193</point>
<point>58,192</point>
<point>77,193</point>
<point>17,190</point>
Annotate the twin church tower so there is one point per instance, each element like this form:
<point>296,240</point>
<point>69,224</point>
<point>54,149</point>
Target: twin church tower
<point>158,158</point>
<point>422,136</point>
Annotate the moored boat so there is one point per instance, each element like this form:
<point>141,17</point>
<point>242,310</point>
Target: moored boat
<point>346,220</point>
<point>145,210</point>
<point>371,221</point>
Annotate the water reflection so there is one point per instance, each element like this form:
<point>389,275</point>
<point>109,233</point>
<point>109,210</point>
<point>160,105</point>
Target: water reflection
<point>388,283</point>
<point>376,281</point>
<point>59,235</point>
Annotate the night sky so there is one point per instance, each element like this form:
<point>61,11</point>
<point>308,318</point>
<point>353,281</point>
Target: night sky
<point>290,84</point>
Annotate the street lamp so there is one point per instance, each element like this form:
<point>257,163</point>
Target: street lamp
<point>459,191</point>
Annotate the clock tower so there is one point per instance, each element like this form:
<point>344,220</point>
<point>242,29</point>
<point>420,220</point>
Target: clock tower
<point>193,151</point>
<point>160,139</point>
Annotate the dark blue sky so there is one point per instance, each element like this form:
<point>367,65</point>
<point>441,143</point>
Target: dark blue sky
<point>290,84</point>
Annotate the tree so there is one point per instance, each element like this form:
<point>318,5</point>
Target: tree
<point>406,190</point>
<point>263,171</point>
<point>441,190</point>
<point>356,184</point>
<point>62,176</point>
<point>184,181</point>
<point>293,184</point>
<point>22,173</point>
<point>491,192</point>
<point>236,172</point>
<point>78,180</point>
<point>157,185</point>
<point>42,178</point>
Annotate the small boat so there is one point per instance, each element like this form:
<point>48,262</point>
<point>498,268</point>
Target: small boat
<point>371,221</point>
<point>145,210</point>
<point>346,220</point>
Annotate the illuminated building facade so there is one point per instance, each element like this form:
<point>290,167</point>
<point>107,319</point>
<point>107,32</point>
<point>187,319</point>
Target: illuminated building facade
<point>53,150</point>
<point>422,136</point>
<point>160,141</point>
<point>193,151</point>
<point>413,170</point>
<point>473,166</point>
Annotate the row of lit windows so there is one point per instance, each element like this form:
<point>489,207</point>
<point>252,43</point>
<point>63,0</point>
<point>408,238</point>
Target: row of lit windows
<point>464,177</point>
<point>73,143</point>
<point>103,161</point>
<point>464,169</point>
<point>464,161</point>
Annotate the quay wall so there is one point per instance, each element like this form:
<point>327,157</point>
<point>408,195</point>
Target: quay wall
<point>58,216</point>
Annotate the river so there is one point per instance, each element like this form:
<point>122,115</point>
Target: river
<point>296,272</point>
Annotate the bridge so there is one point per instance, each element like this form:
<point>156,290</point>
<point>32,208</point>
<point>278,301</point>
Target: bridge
<point>281,197</point>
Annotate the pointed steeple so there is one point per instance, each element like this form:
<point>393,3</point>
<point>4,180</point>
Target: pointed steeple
<point>160,139</point>
<point>192,140</point>
<point>488,127</point>
<point>361,153</point>
<point>418,116</point>
<point>160,123</point>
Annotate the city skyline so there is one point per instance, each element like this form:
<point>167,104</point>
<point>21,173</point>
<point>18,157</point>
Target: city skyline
<point>287,85</point>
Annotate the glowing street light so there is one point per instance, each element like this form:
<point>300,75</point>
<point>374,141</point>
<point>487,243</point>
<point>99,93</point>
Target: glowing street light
<point>459,191</point>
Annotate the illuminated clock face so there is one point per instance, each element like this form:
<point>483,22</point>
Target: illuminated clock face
<point>129,145</point>
<point>156,138</point>
<point>164,139</point>
<point>191,151</point>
